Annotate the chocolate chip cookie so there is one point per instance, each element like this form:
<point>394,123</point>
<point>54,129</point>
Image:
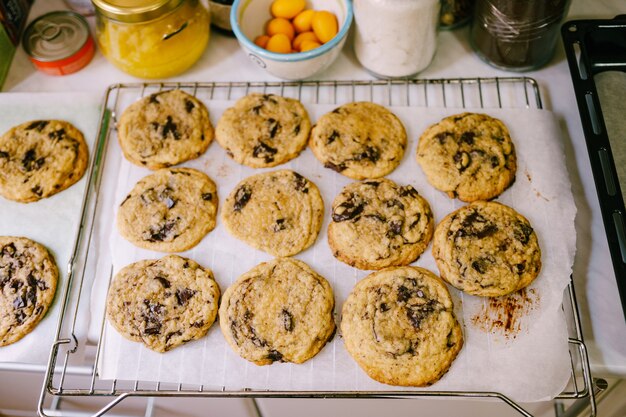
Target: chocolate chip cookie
<point>377,223</point>
<point>41,158</point>
<point>279,212</point>
<point>164,129</point>
<point>28,281</point>
<point>163,303</point>
<point>470,156</point>
<point>278,311</point>
<point>487,249</point>
<point>399,326</point>
<point>359,140</point>
<point>263,130</point>
<point>169,211</point>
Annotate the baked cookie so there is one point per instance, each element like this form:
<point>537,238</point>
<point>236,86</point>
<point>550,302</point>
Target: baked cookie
<point>28,281</point>
<point>487,249</point>
<point>278,311</point>
<point>170,210</point>
<point>399,326</point>
<point>279,212</point>
<point>164,129</point>
<point>41,158</point>
<point>470,156</point>
<point>163,303</point>
<point>377,223</point>
<point>359,140</point>
<point>263,130</point>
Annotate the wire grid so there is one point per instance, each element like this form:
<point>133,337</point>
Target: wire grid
<point>514,92</point>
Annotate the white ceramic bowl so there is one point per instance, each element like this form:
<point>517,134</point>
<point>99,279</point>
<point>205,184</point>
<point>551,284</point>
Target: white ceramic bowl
<point>248,19</point>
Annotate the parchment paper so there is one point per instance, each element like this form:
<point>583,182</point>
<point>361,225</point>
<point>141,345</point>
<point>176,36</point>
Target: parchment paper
<point>519,350</point>
<point>51,221</point>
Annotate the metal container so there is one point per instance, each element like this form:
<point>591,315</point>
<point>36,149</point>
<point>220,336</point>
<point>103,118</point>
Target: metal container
<point>152,38</point>
<point>59,43</point>
<point>220,14</point>
<point>84,7</point>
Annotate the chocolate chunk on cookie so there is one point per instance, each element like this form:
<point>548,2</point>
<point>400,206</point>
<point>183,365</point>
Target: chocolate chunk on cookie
<point>170,210</point>
<point>41,158</point>
<point>163,303</point>
<point>28,281</point>
<point>359,140</point>
<point>263,130</point>
<point>487,249</point>
<point>377,223</point>
<point>279,212</point>
<point>470,156</point>
<point>278,311</point>
<point>399,326</point>
<point>164,129</point>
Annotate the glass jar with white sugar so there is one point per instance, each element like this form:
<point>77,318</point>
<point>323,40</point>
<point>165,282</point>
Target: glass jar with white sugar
<point>395,38</point>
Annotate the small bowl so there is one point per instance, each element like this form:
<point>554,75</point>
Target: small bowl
<point>248,19</point>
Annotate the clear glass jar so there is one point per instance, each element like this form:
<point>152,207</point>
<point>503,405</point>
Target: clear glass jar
<point>395,38</point>
<point>517,35</point>
<point>152,38</point>
<point>455,13</point>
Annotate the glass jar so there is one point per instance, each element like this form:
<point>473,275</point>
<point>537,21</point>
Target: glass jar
<point>395,38</point>
<point>152,38</point>
<point>455,13</point>
<point>517,35</point>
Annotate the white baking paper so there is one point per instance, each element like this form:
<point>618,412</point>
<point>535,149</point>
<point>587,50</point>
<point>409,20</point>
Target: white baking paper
<point>529,364</point>
<point>52,221</point>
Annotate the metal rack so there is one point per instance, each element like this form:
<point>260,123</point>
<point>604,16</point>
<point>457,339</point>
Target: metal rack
<point>73,354</point>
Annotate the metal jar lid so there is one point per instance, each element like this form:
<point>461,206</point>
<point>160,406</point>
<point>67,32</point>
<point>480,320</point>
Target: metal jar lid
<point>135,11</point>
<point>55,36</point>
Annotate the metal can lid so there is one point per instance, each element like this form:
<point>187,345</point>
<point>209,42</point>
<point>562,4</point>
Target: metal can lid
<point>55,36</point>
<point>135,11</point>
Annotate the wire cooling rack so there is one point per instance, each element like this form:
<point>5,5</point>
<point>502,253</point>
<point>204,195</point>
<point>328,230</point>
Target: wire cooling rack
<point>74,354</point>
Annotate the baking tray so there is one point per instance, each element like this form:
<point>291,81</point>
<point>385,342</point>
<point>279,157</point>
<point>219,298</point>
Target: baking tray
<point>518,92</point>
<point>594,47</point>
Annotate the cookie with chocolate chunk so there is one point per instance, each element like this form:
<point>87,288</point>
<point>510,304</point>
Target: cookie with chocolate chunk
<point>279,212</point>
<point>487,249</point>
<point>399,326</point>
<point>377,223</point>
<point>263,130</point>
<point>170,210</point>
<point>359,140</point>
<point>163,303</point>
<point>28,281</point>
<point>41,158</point>
<point>278,311</point>
<point>470,156</point>
<point>164,129</point>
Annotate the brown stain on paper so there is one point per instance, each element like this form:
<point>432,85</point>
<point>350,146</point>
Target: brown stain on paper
<point>505,315</point>
<point>537,193</point>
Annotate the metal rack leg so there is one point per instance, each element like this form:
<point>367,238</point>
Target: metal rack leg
<point>255,408</point>
<point>582,405</point>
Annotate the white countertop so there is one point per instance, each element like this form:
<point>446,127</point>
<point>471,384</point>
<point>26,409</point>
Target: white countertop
<point>603,321</point>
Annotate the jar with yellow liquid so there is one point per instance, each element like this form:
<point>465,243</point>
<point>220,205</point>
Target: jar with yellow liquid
<point>152,38</point>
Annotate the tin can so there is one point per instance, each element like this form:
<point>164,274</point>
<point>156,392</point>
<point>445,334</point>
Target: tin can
<point>59,43</point>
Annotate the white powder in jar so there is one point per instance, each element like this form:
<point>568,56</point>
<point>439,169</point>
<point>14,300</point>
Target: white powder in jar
<point>395,38</point>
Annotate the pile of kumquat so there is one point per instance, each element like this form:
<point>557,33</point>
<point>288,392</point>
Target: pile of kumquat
<point>296,29</point>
